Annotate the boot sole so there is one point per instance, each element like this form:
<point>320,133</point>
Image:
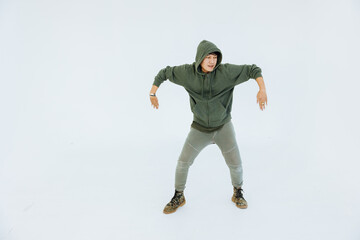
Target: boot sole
<point>242,207</point>
<point>182,204</point>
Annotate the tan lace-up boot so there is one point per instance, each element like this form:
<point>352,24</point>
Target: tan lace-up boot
<point>177,201</point>
<point>238,198</point>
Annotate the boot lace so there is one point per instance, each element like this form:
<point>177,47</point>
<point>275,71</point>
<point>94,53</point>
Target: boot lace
<point>176,199</point>
<point>238,193</point>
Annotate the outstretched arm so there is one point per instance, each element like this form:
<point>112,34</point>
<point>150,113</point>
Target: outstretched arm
<point>153,99</point>
<point>176,74</point>
<point>261,97</point>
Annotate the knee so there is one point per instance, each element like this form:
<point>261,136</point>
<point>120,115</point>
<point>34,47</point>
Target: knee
<point>184,164</point>
<point>235,167</point>
<point>232,157</point>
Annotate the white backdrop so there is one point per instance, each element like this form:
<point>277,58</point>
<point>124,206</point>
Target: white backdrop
<point>84,156</point>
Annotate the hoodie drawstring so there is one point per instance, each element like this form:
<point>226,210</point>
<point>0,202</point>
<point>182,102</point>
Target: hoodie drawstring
<point>202,89</point>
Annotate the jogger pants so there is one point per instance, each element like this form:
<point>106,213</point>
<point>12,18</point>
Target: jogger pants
<point>197,141</point>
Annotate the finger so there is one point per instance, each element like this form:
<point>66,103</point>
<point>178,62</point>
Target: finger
<point>153,103</point>
<point>262,105</point>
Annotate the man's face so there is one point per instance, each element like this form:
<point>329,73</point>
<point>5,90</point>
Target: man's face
<point>209,63</point>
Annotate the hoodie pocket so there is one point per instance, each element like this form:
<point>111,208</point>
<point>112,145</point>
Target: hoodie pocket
<point>200,111</point>
<point>217,112</point>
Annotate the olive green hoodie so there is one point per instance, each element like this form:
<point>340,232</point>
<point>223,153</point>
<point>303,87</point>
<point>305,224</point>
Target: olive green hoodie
<point>211,94</point>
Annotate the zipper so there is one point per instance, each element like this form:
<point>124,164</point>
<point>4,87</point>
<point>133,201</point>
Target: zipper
<point>208,113</point>
<point>207,101</point>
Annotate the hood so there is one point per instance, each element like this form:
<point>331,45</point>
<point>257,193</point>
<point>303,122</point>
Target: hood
<point>205,47</point>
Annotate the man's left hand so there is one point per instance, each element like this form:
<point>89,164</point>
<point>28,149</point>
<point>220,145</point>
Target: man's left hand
<point>261,99</point>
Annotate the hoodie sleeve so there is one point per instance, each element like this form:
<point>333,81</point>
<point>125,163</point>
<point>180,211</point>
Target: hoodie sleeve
<point>177,75</point>
<point>241,73</point>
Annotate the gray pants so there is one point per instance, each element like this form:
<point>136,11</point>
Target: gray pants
<point>197,141</point>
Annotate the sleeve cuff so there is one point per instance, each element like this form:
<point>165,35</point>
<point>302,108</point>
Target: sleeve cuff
<point>157,83</point>
<point>257,75</point>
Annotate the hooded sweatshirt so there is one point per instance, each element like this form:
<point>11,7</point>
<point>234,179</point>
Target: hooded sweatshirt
<point>211,94</point>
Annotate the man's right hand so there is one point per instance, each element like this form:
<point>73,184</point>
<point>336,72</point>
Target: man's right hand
<point>154,102</point>
<point>153,99</point>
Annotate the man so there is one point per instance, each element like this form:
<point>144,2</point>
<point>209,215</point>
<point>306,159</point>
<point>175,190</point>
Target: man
<point>210,85</point>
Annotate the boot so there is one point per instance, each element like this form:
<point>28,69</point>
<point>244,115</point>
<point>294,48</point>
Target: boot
<point>177,201</point>
<point>238,198</point>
